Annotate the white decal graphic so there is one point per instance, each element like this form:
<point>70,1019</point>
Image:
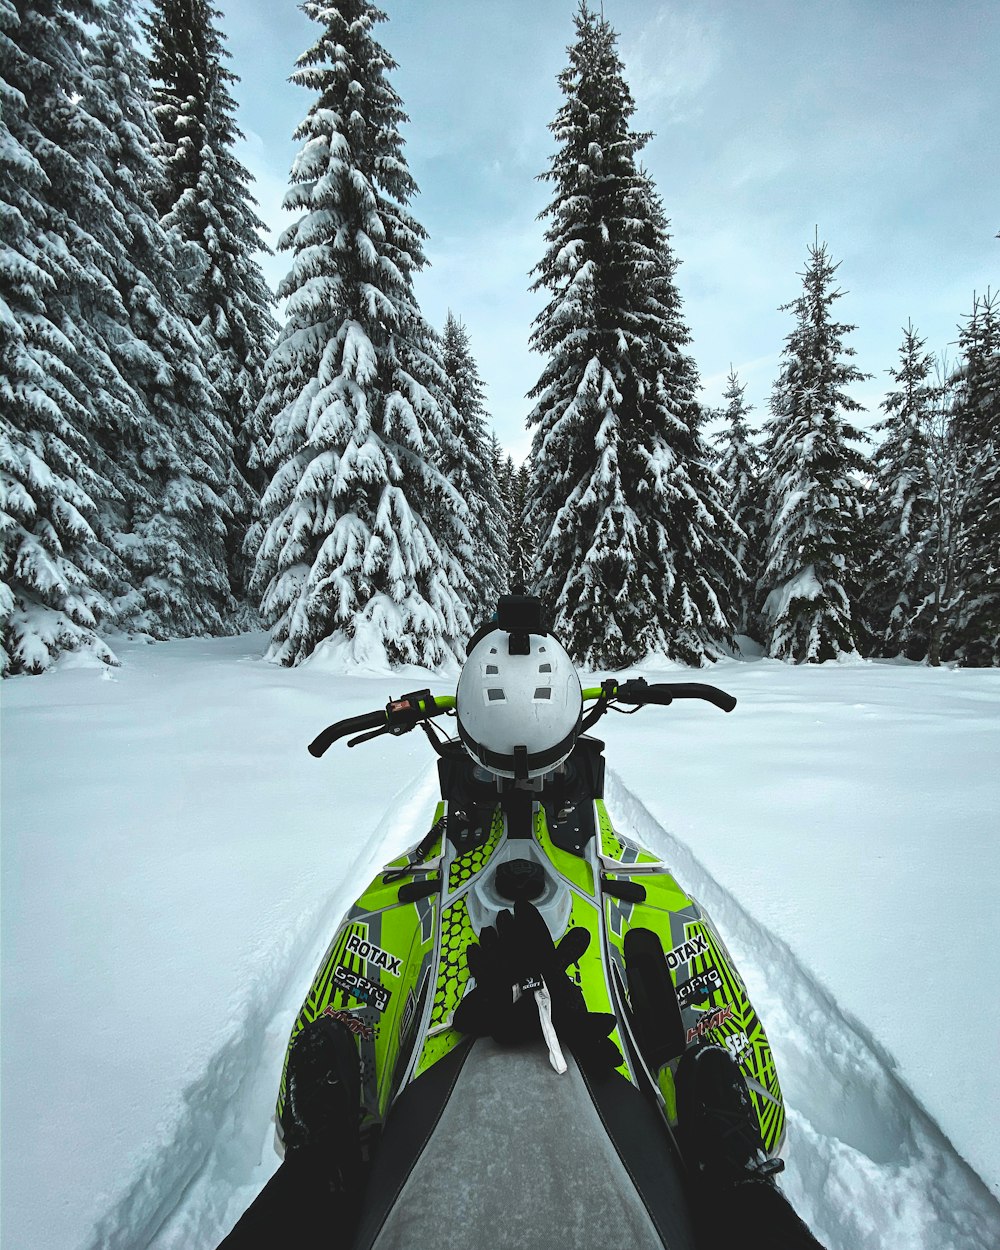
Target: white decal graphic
<point>736,1043</point>
<point>687,951</point>
<point>374,954</point>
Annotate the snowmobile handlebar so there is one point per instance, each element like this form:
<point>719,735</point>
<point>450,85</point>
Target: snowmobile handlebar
<point>398,716</point>
<point>637,691</point>
<point>401,715</point>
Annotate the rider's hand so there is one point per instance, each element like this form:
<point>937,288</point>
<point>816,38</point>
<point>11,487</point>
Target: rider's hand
<point>516,955</point>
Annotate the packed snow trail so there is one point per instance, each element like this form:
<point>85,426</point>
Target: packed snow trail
<point>220,1152</point>
<point>867,1168</point>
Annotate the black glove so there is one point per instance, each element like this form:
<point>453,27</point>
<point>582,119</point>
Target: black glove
<point>520,952</point>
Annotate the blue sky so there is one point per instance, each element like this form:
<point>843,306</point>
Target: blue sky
<point>873,120</point>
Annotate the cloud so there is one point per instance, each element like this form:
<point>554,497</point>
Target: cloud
<point>671,59</point>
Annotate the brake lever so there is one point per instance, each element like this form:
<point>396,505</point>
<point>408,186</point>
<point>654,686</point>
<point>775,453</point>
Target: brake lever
<point>375,733</point>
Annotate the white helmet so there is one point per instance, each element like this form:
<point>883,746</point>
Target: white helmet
<point>519,699</point>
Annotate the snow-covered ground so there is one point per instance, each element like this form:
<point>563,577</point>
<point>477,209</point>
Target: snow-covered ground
<point>174,862</point>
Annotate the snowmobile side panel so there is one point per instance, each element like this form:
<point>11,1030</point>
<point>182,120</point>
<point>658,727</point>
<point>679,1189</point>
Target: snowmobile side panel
<point>615,845</point>
<point>457,932</point>
<point>709,993</point>
<point>591,973</point>
<point>371,977</point>
<point>744,1037</point>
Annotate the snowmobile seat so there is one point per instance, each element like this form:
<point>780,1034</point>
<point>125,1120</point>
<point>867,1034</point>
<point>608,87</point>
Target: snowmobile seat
<point>490,1147</point>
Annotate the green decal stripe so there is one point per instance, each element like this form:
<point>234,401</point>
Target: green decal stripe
<point>453,971</point>
<point>614,845</point>
<point>322,988</point>
<point>734,994</point>
<point>665,1080</point>
<point>663,892</point>
<point>771,1115</point>
<point>589,973</point>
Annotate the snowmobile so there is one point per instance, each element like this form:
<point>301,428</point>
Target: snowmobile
<point>522,826</point>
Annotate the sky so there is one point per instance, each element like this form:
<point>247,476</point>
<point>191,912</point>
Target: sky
<point>871,122</point>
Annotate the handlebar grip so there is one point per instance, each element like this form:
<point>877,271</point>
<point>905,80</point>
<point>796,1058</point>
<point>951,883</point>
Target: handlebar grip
<point>639,692</point>
<point>698,690</point>
<point>354,724</point>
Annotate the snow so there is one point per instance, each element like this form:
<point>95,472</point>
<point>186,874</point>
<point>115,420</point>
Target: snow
<point>174,862</point>
<point>803,585</point>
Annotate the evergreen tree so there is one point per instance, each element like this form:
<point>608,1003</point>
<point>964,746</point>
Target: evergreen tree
<point>55,571</point>
<point>943,549</point>
<point>695,535</point>
<point>128,437</point>
<point>523,556</point>
<point>897,583</point>
<point>168,451</point>
<point>739,465</point>
<point>344,542</point>
<point>204,198</point>
<point>814,551</point>
<point>503,473</point>
<point>632,532</point>
<point>469,466</point>
<point>976,430</point>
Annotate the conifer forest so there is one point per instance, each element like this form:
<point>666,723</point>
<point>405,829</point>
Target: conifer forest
<point>183,455</point>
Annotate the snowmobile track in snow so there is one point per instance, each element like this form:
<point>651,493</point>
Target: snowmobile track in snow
<point>211,1161</point>
<point>867,1167</point>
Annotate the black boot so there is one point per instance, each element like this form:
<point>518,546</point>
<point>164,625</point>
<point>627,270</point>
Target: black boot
<point>733,1193</point>
<point>314,1196</point>
<point>323,1093</point>
<point>717,1124</point>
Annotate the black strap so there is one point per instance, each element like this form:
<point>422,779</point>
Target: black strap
<point>540,760</point>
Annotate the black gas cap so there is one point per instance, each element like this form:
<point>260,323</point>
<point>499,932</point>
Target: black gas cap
<point>520,879</point>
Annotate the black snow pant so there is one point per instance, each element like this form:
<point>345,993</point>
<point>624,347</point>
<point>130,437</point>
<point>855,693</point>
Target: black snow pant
<point>302,1204</point>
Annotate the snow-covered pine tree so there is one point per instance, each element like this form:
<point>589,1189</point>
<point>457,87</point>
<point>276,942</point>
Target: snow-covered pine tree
<point>467,462</point>
<point>976,430</point>
<point>694,533</point>
<point>205,199</point>
<point>904,506</point>
<point>55,573</point>
<point>739,465</point>
<point>814,553</point>
<point>944,546</point>
<point>352,383</point>
<point>523,529</point>
<point>503,475</point>
<point>632,532</point>
<point>166,448</point>
<point>127,394</point>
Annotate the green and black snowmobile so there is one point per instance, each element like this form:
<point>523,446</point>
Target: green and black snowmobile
<point>525,1030</point>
